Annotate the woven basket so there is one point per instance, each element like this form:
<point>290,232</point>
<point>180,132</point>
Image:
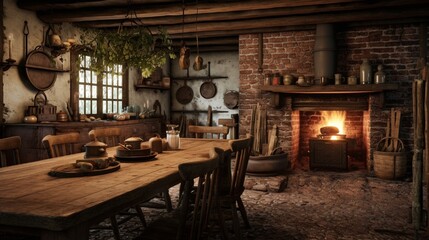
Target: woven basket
<point>390,165</point>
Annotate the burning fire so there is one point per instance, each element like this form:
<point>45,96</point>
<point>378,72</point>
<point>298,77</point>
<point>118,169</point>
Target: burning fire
<point>334,118</point>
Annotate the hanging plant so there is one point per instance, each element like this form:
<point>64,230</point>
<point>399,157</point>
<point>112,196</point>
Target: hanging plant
<point>133,47</point>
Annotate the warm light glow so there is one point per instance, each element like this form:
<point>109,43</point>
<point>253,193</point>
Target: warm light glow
<point>334,137</point>
<point>334,118</point>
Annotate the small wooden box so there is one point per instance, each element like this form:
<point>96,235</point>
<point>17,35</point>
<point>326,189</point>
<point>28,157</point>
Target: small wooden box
<point>46,112</point>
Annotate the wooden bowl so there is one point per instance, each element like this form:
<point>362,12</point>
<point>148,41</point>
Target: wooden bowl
<point>122,152</point>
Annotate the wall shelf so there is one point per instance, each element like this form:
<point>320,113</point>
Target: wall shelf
<point>198,78</point>
<point>198,111</point>
<point>142,86</point>
<point>331,89</point>
<point>45,68</point>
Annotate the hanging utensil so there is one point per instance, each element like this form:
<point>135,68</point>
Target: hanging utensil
<point>26,32</point>
<point>184,94</point>
<point>208,89</point>
<point>199,62</point>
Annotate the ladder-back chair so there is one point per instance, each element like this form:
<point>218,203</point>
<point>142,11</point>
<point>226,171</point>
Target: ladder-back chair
<point>61,145</point>
<point>9,147</point>
<point>190,220</point>
<point>219,132</point>
<point>109,136</point>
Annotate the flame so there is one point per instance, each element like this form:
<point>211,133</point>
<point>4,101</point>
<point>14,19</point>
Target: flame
<point>334,118</point>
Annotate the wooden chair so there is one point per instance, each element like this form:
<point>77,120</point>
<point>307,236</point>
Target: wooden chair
<point>231,186</point>
<point>110,136</point>
<point>190,219</point>
<point>61,145</point>
<point>208,131</point>
<point>9,147</point>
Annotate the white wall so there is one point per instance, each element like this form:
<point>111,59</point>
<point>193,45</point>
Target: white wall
<point>222,64</point>
<point>19,93</point>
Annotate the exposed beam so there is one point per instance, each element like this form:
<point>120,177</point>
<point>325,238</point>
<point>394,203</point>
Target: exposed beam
<point>277,12</point>
<point>207,41</point>
<point>278,22</point>
<point>158,10</point>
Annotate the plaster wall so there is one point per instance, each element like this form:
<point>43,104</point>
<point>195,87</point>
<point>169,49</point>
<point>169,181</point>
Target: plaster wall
<point>221,64</point>
<point>19,93</point>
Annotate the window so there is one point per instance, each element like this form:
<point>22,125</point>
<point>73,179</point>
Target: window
<point>100,93</point>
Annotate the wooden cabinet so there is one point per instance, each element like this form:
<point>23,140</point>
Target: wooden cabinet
<point>32,134</point>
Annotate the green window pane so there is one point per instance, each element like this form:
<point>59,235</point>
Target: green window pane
<point>109,92</point>
<point>87,106</point>
<point>115,93</point>
<point>119,93</point>
<point>81,91</point>
<point>94,107</point>
<point>94,91</point>
<point>81,106</point>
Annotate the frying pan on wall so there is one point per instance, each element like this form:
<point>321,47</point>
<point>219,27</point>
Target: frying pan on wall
<point>208,89</point>
<point>230,99</point>
<point>184,94</point>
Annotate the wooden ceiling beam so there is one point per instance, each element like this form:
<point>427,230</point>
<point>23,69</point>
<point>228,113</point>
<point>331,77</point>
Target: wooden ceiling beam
<point>207,41</point>
<point>278,22</point>
<point>165,10</point>
<point>277,12</point>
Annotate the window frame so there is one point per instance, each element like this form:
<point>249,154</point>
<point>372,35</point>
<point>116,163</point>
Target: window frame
<point>74,85</point>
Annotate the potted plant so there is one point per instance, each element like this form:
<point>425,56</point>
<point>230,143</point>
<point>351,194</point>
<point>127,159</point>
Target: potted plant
<point>133,47</point>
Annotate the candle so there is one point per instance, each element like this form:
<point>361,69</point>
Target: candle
<point>10,38</point>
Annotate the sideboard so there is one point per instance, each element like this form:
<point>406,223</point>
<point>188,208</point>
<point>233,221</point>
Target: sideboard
<point>32,134</point>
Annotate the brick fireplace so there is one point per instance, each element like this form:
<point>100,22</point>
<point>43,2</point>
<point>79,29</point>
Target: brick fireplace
<point>394,46</point>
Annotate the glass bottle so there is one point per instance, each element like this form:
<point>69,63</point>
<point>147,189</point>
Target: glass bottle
<point>365,72</point>
<point>379,76</point>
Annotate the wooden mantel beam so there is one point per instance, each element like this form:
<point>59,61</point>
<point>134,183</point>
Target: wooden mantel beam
<point>165,10</point>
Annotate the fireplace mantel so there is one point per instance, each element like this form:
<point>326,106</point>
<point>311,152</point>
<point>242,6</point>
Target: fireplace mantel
<point>330,89</point>
<point>323,97</point>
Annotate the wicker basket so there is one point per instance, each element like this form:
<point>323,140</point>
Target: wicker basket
<point>390,165</point>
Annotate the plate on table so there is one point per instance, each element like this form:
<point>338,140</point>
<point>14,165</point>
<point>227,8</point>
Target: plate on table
<point>136,158</point>
<point>69,170</point>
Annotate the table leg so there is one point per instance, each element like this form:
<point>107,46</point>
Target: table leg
<point>78,232</point>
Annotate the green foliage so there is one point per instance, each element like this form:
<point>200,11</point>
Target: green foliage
<point>132,47</point>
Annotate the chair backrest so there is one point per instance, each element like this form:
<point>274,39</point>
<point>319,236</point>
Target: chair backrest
<point>206,172</point>
<point>62,144</point>
<point>208,131</point>
<point>110,136</point>
<point>241,148</point>
<point>9,147</point>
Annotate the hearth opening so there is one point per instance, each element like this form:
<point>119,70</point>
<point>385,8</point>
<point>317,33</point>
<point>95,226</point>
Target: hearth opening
<point>332,140</point>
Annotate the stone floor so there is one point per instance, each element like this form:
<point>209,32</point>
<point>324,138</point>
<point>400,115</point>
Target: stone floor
<point>316,205</point>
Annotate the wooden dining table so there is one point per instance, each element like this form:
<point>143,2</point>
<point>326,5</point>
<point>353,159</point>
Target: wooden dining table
<point>33,202</point>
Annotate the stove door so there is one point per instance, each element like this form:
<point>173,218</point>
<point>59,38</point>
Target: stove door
<point>328,154</point>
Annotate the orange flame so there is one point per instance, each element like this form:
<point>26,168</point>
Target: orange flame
<point>334,118</point>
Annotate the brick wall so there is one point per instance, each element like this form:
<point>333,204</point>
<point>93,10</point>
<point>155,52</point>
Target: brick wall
<point>394,46</point>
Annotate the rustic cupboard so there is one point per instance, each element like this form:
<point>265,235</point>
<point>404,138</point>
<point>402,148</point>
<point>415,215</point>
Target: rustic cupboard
<point>31,134</point>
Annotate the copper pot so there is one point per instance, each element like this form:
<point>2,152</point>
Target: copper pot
<point>62,116</point>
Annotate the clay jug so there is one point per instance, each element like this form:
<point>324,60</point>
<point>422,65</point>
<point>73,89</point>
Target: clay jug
<point>155,143</point>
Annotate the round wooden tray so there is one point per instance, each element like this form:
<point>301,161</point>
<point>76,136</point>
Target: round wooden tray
<point>68,170</point>
<point>40,70</point>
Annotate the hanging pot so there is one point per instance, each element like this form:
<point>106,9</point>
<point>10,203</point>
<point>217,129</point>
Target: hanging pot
<point>184,94</point>
<point>230,99</point>
<point>208,89</point>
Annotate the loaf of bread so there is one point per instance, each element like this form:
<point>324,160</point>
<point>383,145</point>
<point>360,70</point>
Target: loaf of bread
<point>85,166</point>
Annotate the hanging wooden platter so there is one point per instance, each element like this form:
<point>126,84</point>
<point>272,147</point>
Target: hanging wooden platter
<point>41,70</point>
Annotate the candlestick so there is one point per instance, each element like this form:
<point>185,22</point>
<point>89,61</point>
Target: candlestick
<point>10,37</point>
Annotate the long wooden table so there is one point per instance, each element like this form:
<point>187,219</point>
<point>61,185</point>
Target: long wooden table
<point>33,202</point>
